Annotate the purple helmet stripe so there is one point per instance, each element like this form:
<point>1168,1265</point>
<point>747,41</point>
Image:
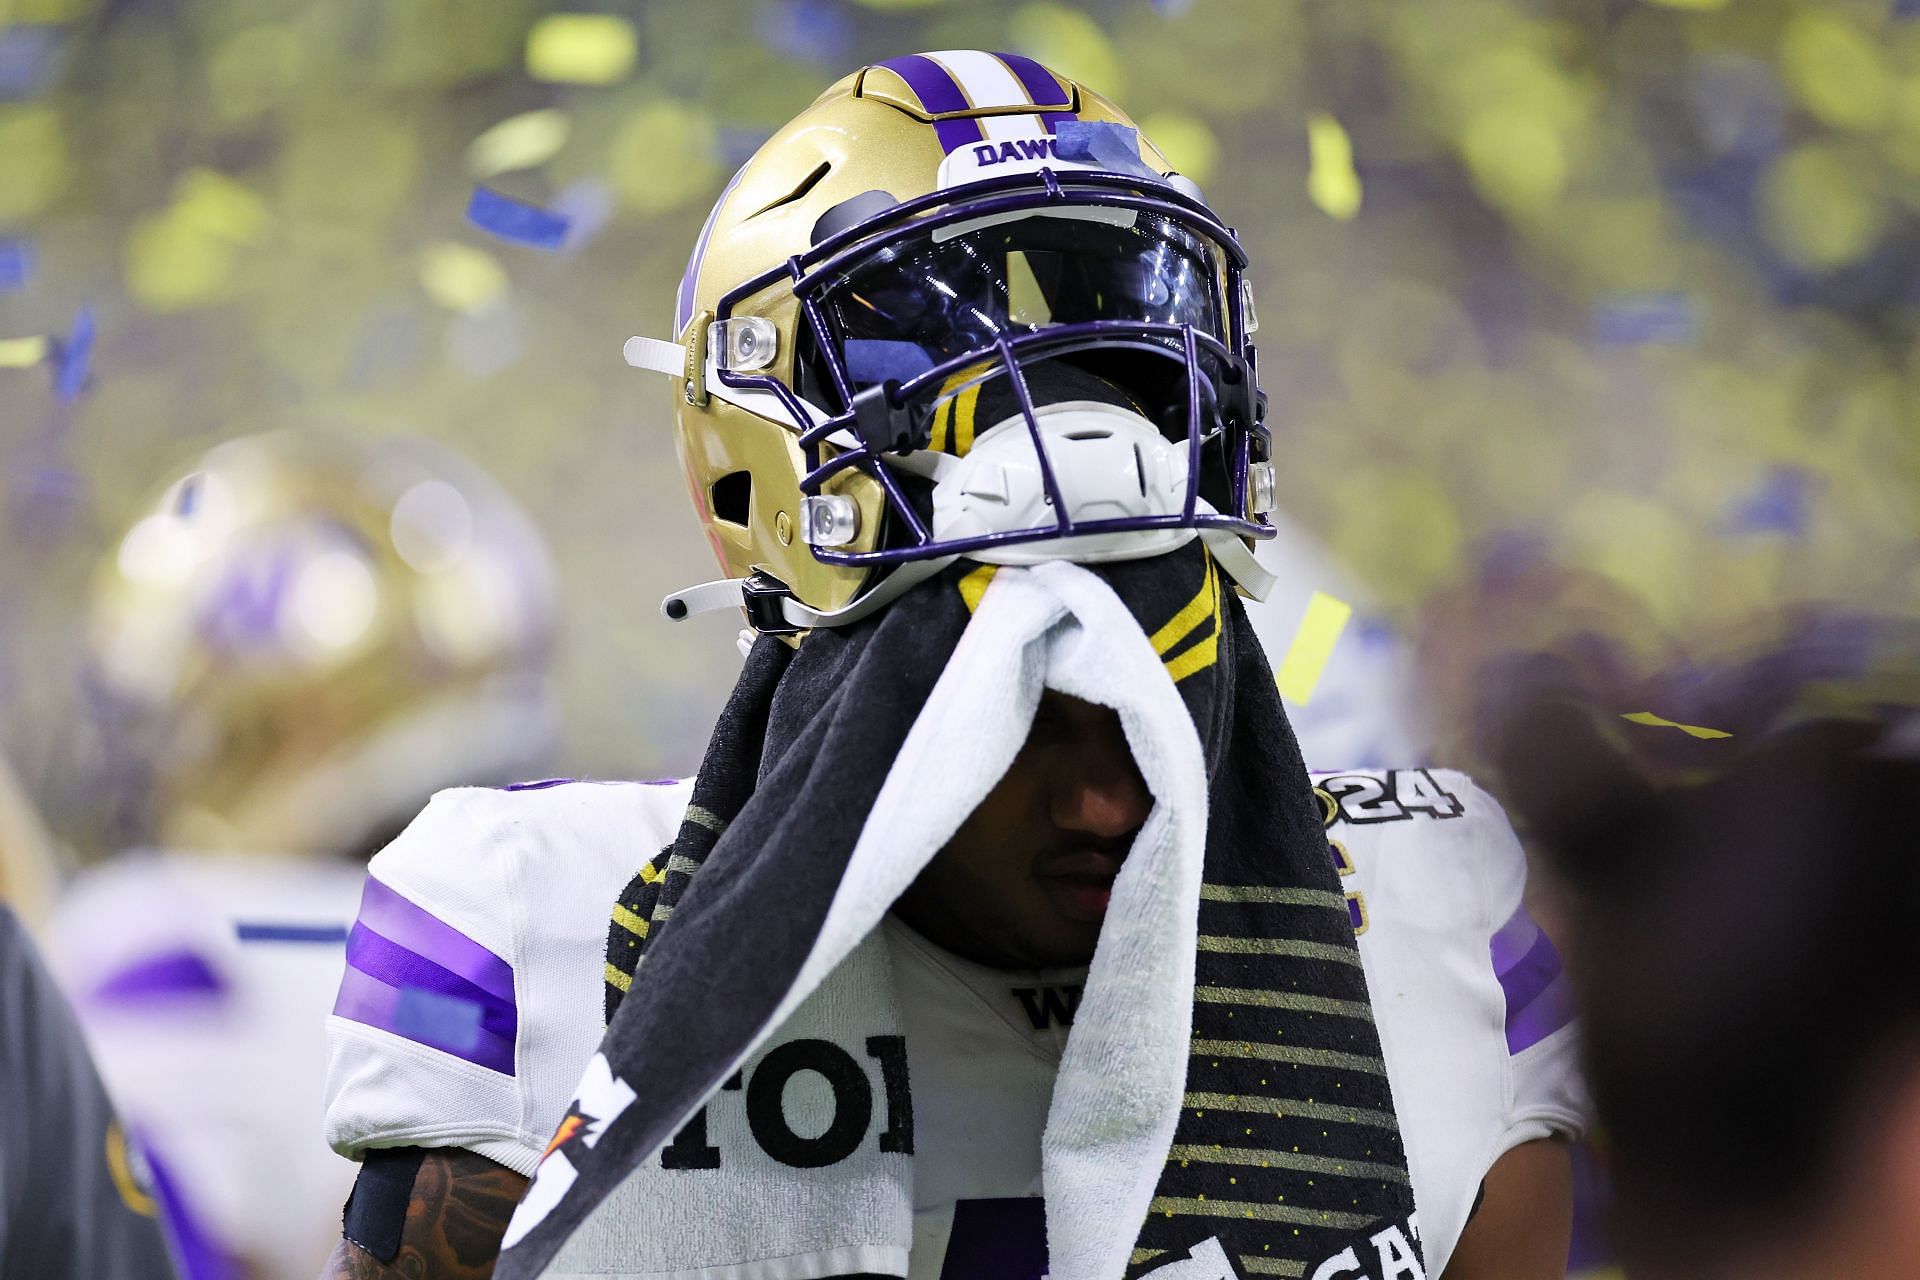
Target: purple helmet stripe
<point>683,303</point>
<point>1039,83</point>
<point>1053,119</point>
<point>938,92</point>
<point>960,132</point>
<point>424,934</point>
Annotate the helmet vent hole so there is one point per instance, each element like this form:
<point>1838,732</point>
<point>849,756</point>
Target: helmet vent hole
<point>807,184</point>
<point>1090,433</point>
<point>733,497</point>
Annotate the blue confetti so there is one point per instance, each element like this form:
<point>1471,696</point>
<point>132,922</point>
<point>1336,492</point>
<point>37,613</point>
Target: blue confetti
<point>587,205</point>
<point>1653,319</point>
<point>1172,8</point>
<point>73,367</point>
<point>509,219</point>
<point>259,931</point>
<point>1115,147</point>
<point>29,60</point>
<point>16,264</point>
<point>447,1021</point>
<point>818,31</point>
<point>1779,505</point>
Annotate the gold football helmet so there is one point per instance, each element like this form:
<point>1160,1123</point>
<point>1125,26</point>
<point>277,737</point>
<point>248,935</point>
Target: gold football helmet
<point>307,634</point>
<point>959,306</point>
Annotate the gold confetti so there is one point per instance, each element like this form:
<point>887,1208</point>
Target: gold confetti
<point>1332,184</point>
<point>460,277</point>
<point>524,141</point>
<point>1647,717</point>
<point>1312,645</point>
<point>22,353</point>
<point>217,205</point>
<point>581,48</point>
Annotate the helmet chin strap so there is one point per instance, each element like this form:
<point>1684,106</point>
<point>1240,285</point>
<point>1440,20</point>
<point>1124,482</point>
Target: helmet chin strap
<point>734,593</point>
<point>1227,550</point>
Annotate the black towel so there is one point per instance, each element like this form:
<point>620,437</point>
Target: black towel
<point>1286,1151</point>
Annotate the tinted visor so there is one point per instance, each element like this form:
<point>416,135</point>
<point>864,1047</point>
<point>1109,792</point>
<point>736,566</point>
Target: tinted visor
<point>924,298</point>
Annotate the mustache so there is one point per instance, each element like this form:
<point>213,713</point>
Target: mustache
<point>1092,857</point>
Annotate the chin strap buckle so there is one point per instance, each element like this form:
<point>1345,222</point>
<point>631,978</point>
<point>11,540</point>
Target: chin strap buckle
<point>765,600</point>
<point>880,422</point>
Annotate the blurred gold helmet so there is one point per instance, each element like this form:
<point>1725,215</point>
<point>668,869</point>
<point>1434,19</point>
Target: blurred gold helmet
<point>942,245</point>
<point>306,634</point>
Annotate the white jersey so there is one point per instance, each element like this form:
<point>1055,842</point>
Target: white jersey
<point>510,894</point>
<point>1474,1013</point>
<point>201,982</point>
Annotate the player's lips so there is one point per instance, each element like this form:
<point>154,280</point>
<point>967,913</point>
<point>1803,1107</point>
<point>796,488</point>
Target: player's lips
<point>1080,883</point>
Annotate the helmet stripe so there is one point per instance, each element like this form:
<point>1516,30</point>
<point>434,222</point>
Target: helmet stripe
<point>938,92</point>
<point>683,308</point>
<point>1042,89</point>
<point>986,81</point>
<point>957,133</point>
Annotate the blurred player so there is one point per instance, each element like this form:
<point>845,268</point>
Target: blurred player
<point>493,905</point>
<point>299,640</point>
<point>1750,1015</point>
<point>76,1199</point>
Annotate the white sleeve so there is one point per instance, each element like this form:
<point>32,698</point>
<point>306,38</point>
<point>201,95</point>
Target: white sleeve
<point>472,998</point>
<point>1546,1095</point>
<point>423,1039</point>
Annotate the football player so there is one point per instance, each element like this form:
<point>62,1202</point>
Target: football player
<point>302,637</point>
<point>1751,1021</point>
<point>812,284</point>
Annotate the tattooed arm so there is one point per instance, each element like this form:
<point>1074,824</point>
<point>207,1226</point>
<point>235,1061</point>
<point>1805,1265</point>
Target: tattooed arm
<point>453,1220</point>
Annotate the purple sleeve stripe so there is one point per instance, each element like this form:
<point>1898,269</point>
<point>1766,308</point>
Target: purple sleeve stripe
<point>170,974</point>
<point>366,999</point>
<point>1514,941</point>
<point>191,1243</point>
<point>386,913</point>
<point>1042,89</point>
<point>938,92</point>
<point>1545,1014</point>
<point>1533,973</point>
<point>397,967</point>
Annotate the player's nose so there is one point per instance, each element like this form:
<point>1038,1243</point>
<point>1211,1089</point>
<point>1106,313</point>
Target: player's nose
<point>1102,793</point>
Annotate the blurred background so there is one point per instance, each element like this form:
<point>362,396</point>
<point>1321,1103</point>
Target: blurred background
<point>1582,318</point>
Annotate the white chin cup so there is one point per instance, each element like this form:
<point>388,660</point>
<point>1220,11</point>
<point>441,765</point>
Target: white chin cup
<point>1109,462</point>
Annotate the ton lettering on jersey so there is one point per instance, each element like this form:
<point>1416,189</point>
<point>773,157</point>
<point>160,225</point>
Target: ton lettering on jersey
<point>852,1119</point>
